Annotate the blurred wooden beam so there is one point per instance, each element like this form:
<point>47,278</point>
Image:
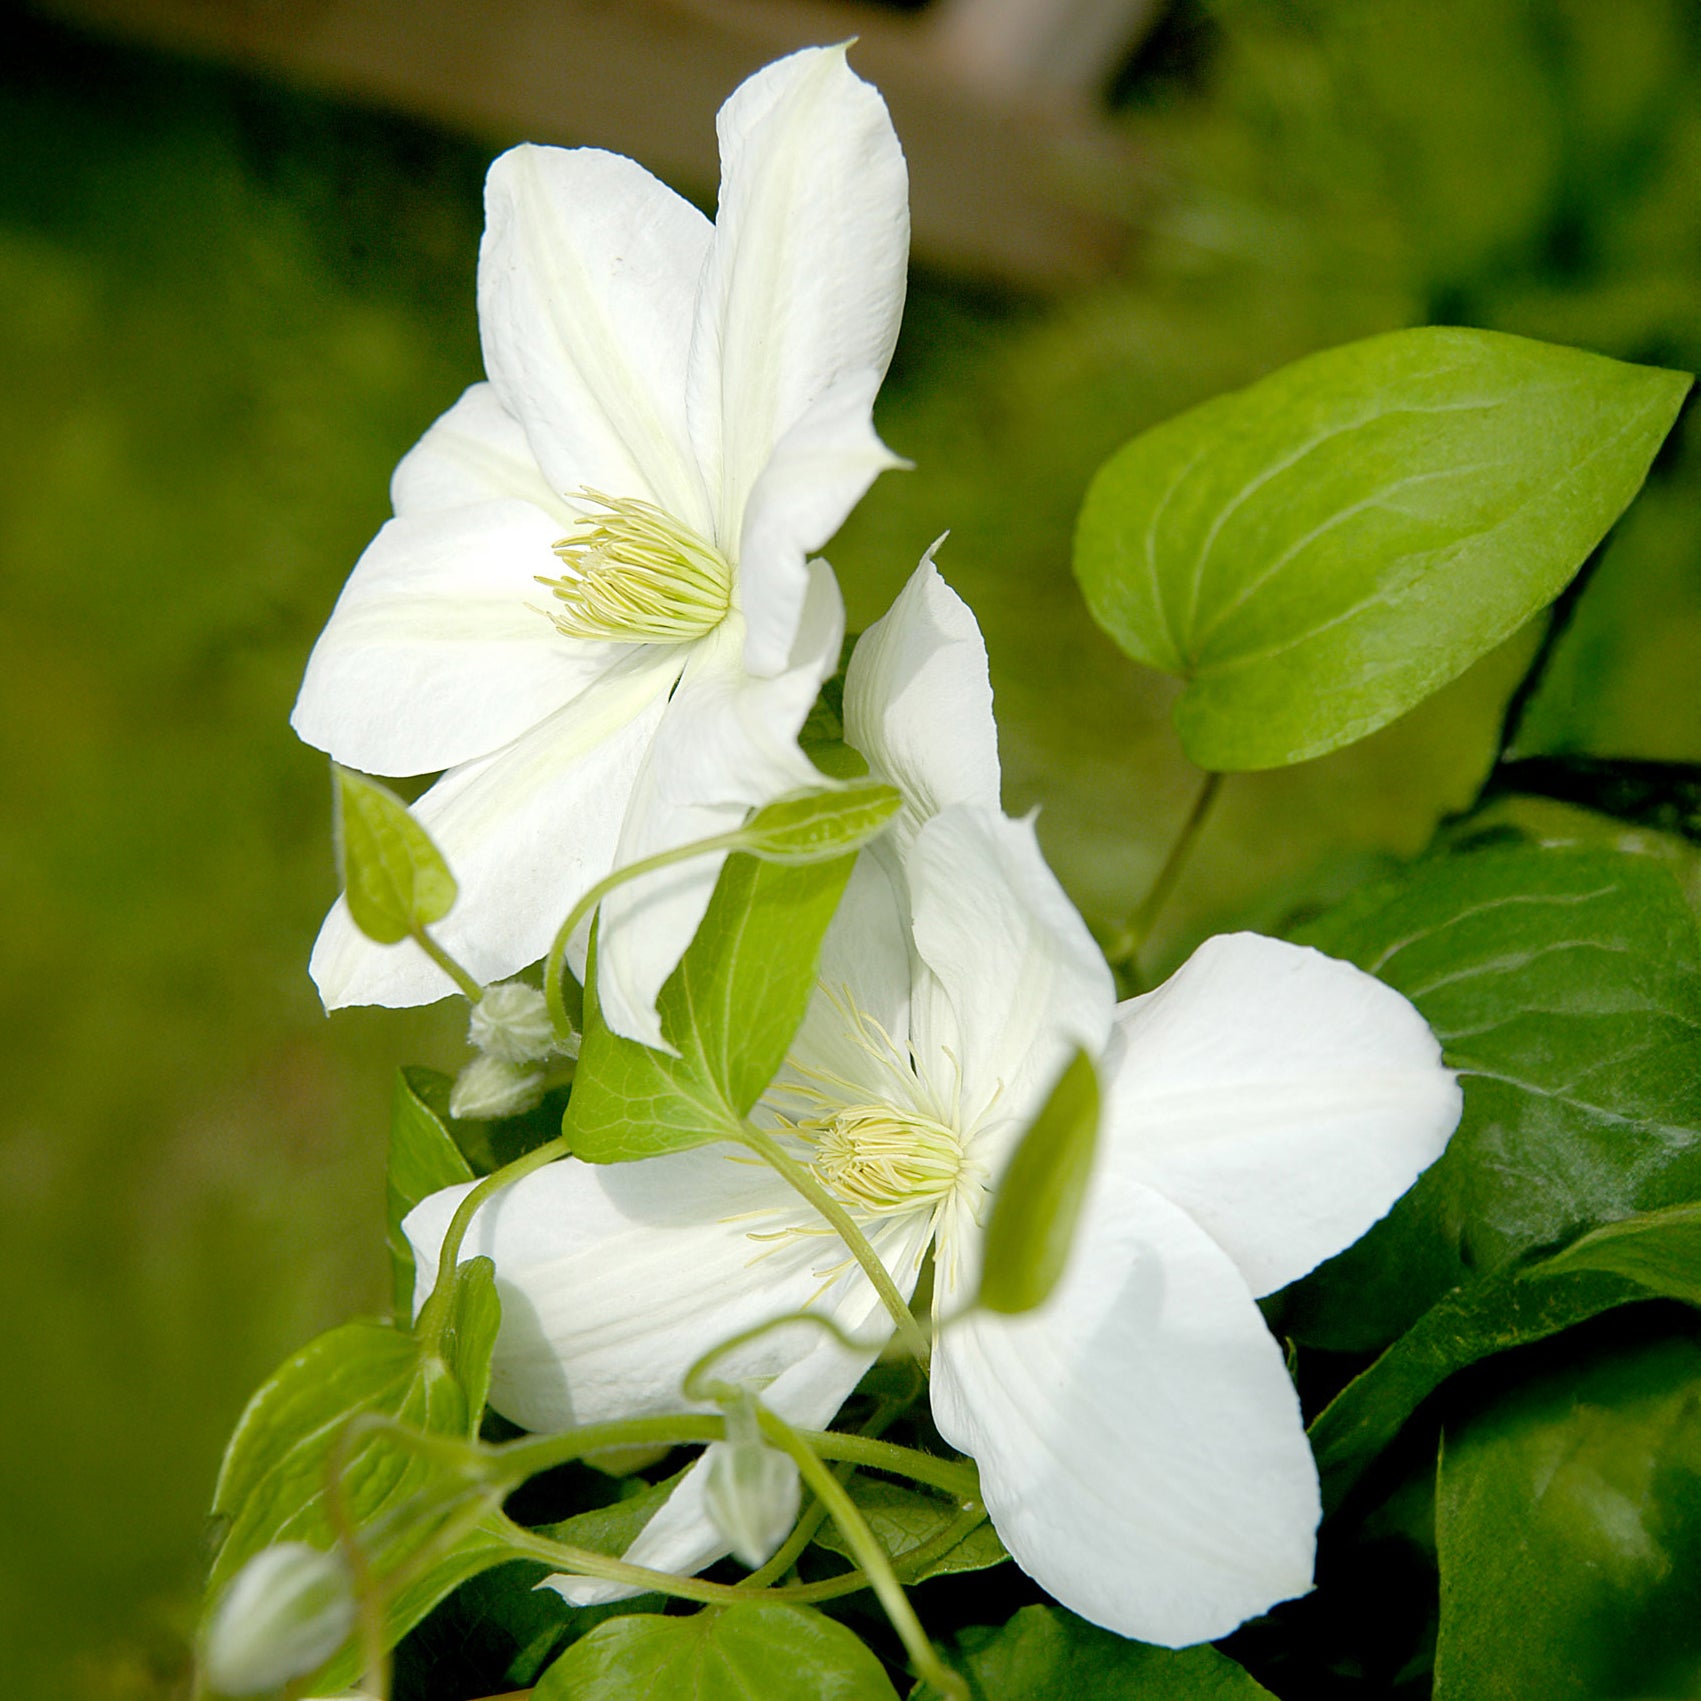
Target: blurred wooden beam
<point>1015,173</point>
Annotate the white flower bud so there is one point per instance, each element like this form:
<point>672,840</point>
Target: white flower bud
<point>489,1087</point>
<point>511,1021</point>
<point>288,1610</point>
<point>753,1490</point>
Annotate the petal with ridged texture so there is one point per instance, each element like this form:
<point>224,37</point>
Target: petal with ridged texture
<point>587,280</point>
<point>918,703</point>
<point>1282,1098</point>
<point>805,280</point>
<point>1139,1441</point>
<point>525,832</point>
<point>727,743</point>
<point>438,650</point>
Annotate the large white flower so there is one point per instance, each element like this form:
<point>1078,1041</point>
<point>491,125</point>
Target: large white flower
<point>677,414</point>
<point>1139,1440</point>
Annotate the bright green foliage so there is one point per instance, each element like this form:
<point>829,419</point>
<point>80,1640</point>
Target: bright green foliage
<point>729,1010</point>
<point>1568,1518</point>
<point>1657,1255</point>
<point>771,1652</point>
<point>423,1159</point>
<point>1318,553</point>
<point>813,825</point>
<point>1044,1655</point>
<point>272,1485</point>
<point>1565,986</point>
<point>1039,1198</point>
<point>903,1520</point>
<point>395,878</point>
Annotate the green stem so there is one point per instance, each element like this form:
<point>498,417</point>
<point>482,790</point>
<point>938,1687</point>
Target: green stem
<point>867,1552</point>
<point>434,1314</point>
<point>554,965</point>
<point>1139,925</point>
<point>467,983</point>
<point>804,1181</point>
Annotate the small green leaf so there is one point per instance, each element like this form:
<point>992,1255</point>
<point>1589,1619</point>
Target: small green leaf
<point>1565,987</point>
<point>1318,553</point>
<point>730,1009</point>
<point>812,825</point>
<point>423,1159</point>
<point>395,878</point>
<point>1659,1251</point>
<point>1568,1522</point>
<point>1044,1654</point>
<point>1039,1198</point>
<point>761,1652</point>
<point>903,1520</point>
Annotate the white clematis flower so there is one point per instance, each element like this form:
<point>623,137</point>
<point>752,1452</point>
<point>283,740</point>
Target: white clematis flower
<point>1139,1441</point>
<point>677,414</point>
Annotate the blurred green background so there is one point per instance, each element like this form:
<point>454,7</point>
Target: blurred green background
<point>227,308</point>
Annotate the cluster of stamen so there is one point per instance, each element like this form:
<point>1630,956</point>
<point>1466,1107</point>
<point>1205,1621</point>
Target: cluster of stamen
<point>878,1158</point>
<point>634,574</point>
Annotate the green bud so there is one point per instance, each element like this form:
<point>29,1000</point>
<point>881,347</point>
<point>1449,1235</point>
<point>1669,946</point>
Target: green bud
<point>511,1021</point>
<point>753,1490</point>
<point>285,1613</point>
<point>490,1087</point>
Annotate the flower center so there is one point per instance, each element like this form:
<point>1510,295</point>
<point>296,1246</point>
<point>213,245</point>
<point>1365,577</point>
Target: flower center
<point>635,574</point>
<point>884,1159</point>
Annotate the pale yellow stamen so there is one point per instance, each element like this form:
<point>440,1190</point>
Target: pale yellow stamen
<point>636,575</point>
<point>879,1158</point>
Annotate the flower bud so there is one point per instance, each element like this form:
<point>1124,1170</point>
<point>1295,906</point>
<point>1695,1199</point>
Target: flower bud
<point>488,1087</point>
<point>511,1021</point>
<point>287,1611</point>
<point>753,1491</point>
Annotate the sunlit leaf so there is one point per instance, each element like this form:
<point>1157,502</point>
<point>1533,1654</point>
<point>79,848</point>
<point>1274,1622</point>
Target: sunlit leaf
<point>1039,1197</point>
<point>1319,552</point>
<point>423,1159</point>
<point>904,1520</point>
<point>394,877</point>
<point>814,825</point>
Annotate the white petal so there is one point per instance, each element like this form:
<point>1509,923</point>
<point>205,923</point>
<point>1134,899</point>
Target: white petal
<point>437,651</point>
<point>1017,981</point>
<point>587,280</point>
<point>918,703</point>
<point>681,1537</point>
<point>727,742</point>
<point>477,452</point>
<point>1284,1099</point>
<point>1139,1442</point>
<point>816,475</point>
<point>805,281</point>
<point>525,832</point>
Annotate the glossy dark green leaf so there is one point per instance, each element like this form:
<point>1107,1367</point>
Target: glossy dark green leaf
<point>1039,1197</point>
<point>423,1159</point>
<point>1565,987</point>
<point>1659,1251</point>
<point>904,1521</point>
<point>1044,1654</point>
<point>815,825</point>
<point>1568,1522</point>
<point>730,1010</point>
<point>761,1652</point>
<point>394,877</point>
<point>1318,553</point>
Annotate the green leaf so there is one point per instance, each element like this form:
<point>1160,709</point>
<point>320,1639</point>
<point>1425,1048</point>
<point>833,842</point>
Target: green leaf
<point>271,1487</point>
<point>395,878</point>
<point>761,1652</point>
<point>812,825</point>
<point>903,1520</point>
<point>1318,553</point>
<point>1659,1251</point>
<point>730,1010</point>
<point>1044,1654</point>
<point>1565,986</point>
<point>1568,1522</point>
<point>1039,1198</point>
<point>423,1159</point>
